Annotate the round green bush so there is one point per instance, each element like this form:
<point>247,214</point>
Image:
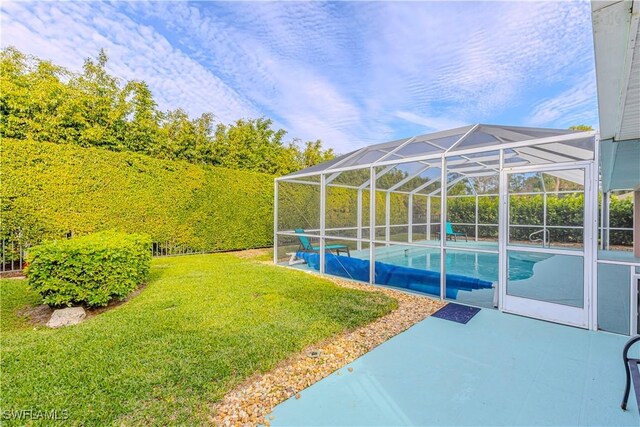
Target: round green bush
<point>90,270</point>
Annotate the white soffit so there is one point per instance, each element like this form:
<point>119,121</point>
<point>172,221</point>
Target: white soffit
<point>616,36</point>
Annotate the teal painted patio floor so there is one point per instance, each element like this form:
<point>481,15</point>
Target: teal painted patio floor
<point>499,369</point>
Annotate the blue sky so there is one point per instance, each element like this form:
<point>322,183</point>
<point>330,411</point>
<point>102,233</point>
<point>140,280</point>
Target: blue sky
<point>349,73</point>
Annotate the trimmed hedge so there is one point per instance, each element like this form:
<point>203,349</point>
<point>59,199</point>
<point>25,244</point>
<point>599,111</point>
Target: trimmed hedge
<point>89,270</point>
<point>49,190</point>
<point>561,211</point>
<point>300,205</point>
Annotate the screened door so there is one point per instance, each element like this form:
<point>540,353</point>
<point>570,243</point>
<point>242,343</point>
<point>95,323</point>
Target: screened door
<point>545,262</point>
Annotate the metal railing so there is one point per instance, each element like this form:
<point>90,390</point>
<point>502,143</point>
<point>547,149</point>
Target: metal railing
<point>545,237</point>
<point>14,253</point>
<point>162,249</point>
<point>13,256</point>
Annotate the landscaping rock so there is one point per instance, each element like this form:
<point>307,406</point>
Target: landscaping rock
<point>66,317</point>
<point>251,402</point>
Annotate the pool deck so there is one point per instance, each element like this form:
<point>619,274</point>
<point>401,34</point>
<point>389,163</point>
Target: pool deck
<point>498,369</point>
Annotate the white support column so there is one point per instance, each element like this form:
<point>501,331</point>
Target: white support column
<point>323,194</point>
<point>503,233</point>
<point>476,232</point>
<point>601,235</point>
<point>428,217</point>
<point>591,189</point>
<point>545,237</point>
<point>410,218</point>
<point>594,182</point>
<point>606,221</point>
<point>275,222</point>
<point>443,227</point>
<point>359,220</point>
<point>387,217</point>
<point>382,172</point>
<point>634,290</point>
<point>372,226</point>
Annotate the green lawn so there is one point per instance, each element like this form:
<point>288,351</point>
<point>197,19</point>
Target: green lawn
<point>203,324</point>
<point>14,295</point>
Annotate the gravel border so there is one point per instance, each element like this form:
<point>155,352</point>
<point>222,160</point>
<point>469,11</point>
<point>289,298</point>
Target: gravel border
<point>250,403</point>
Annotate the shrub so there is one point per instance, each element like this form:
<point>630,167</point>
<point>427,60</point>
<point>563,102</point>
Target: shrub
<point>91,270</point>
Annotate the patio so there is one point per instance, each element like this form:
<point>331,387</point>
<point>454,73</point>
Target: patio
<point>498,369</point>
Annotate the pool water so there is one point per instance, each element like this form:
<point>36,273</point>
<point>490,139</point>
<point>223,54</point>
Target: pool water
<point>479,265</point>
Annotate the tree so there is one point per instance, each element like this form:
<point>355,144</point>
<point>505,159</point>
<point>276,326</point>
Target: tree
<point>142,129</point>
<point>98,109</point>
<point>254,145</point>
<point>312,154</point>
<point>581,127</point>
<point>177,137</point>
<point>31,94</point>
<point>45,102</point>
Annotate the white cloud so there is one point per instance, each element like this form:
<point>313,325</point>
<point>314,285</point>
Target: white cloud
<point>572,107</point>
<point>343,72</point>
<point>68,32</point>
<point>430,123</point>
<point>480,57</point>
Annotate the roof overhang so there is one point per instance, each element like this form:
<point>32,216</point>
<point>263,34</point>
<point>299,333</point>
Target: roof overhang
<point>616,35</point>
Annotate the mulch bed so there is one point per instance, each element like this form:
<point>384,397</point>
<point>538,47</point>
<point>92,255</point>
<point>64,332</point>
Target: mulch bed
<point>251,402</point>
<point>40,314</point>
<point>12,274</point>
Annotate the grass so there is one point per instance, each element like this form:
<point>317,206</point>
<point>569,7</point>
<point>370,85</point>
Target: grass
<point>14,295</point>
<point>203,324</point>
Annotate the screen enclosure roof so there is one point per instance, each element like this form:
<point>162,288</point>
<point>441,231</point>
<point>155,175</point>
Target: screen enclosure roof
<point>470,151</point>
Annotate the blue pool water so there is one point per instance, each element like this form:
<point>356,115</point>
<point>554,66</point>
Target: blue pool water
<point>471,277</point>
<point>479,265</point>
<point>414,279</point>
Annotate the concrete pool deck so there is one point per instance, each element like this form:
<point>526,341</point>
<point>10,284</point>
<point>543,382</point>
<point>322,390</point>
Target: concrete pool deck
<point>553,278</point>
<point>498,369</point>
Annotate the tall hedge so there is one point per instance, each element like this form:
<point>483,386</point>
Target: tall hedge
<point>49,190</point>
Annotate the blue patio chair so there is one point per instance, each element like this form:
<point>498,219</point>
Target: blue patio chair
<point>305,245</point>
<point>452,234</point>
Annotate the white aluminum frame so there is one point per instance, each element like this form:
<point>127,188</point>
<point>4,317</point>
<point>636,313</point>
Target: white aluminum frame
<point>469,151</point>
<point>575,316</point>
<point>634,328</point>
<point>461,162</point>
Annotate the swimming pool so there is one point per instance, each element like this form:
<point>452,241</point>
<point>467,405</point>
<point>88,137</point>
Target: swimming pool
<point>471,277</point>
<point>472,264</point>
<point>414,279</point>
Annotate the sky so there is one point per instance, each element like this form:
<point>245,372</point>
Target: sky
<point>348,73</point>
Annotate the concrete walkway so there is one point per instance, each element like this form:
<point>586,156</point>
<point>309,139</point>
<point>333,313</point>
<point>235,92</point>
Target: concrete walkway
<point>499,369</point>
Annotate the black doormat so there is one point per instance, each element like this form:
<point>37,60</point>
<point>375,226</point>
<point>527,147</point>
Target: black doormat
<point>456,313</point>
